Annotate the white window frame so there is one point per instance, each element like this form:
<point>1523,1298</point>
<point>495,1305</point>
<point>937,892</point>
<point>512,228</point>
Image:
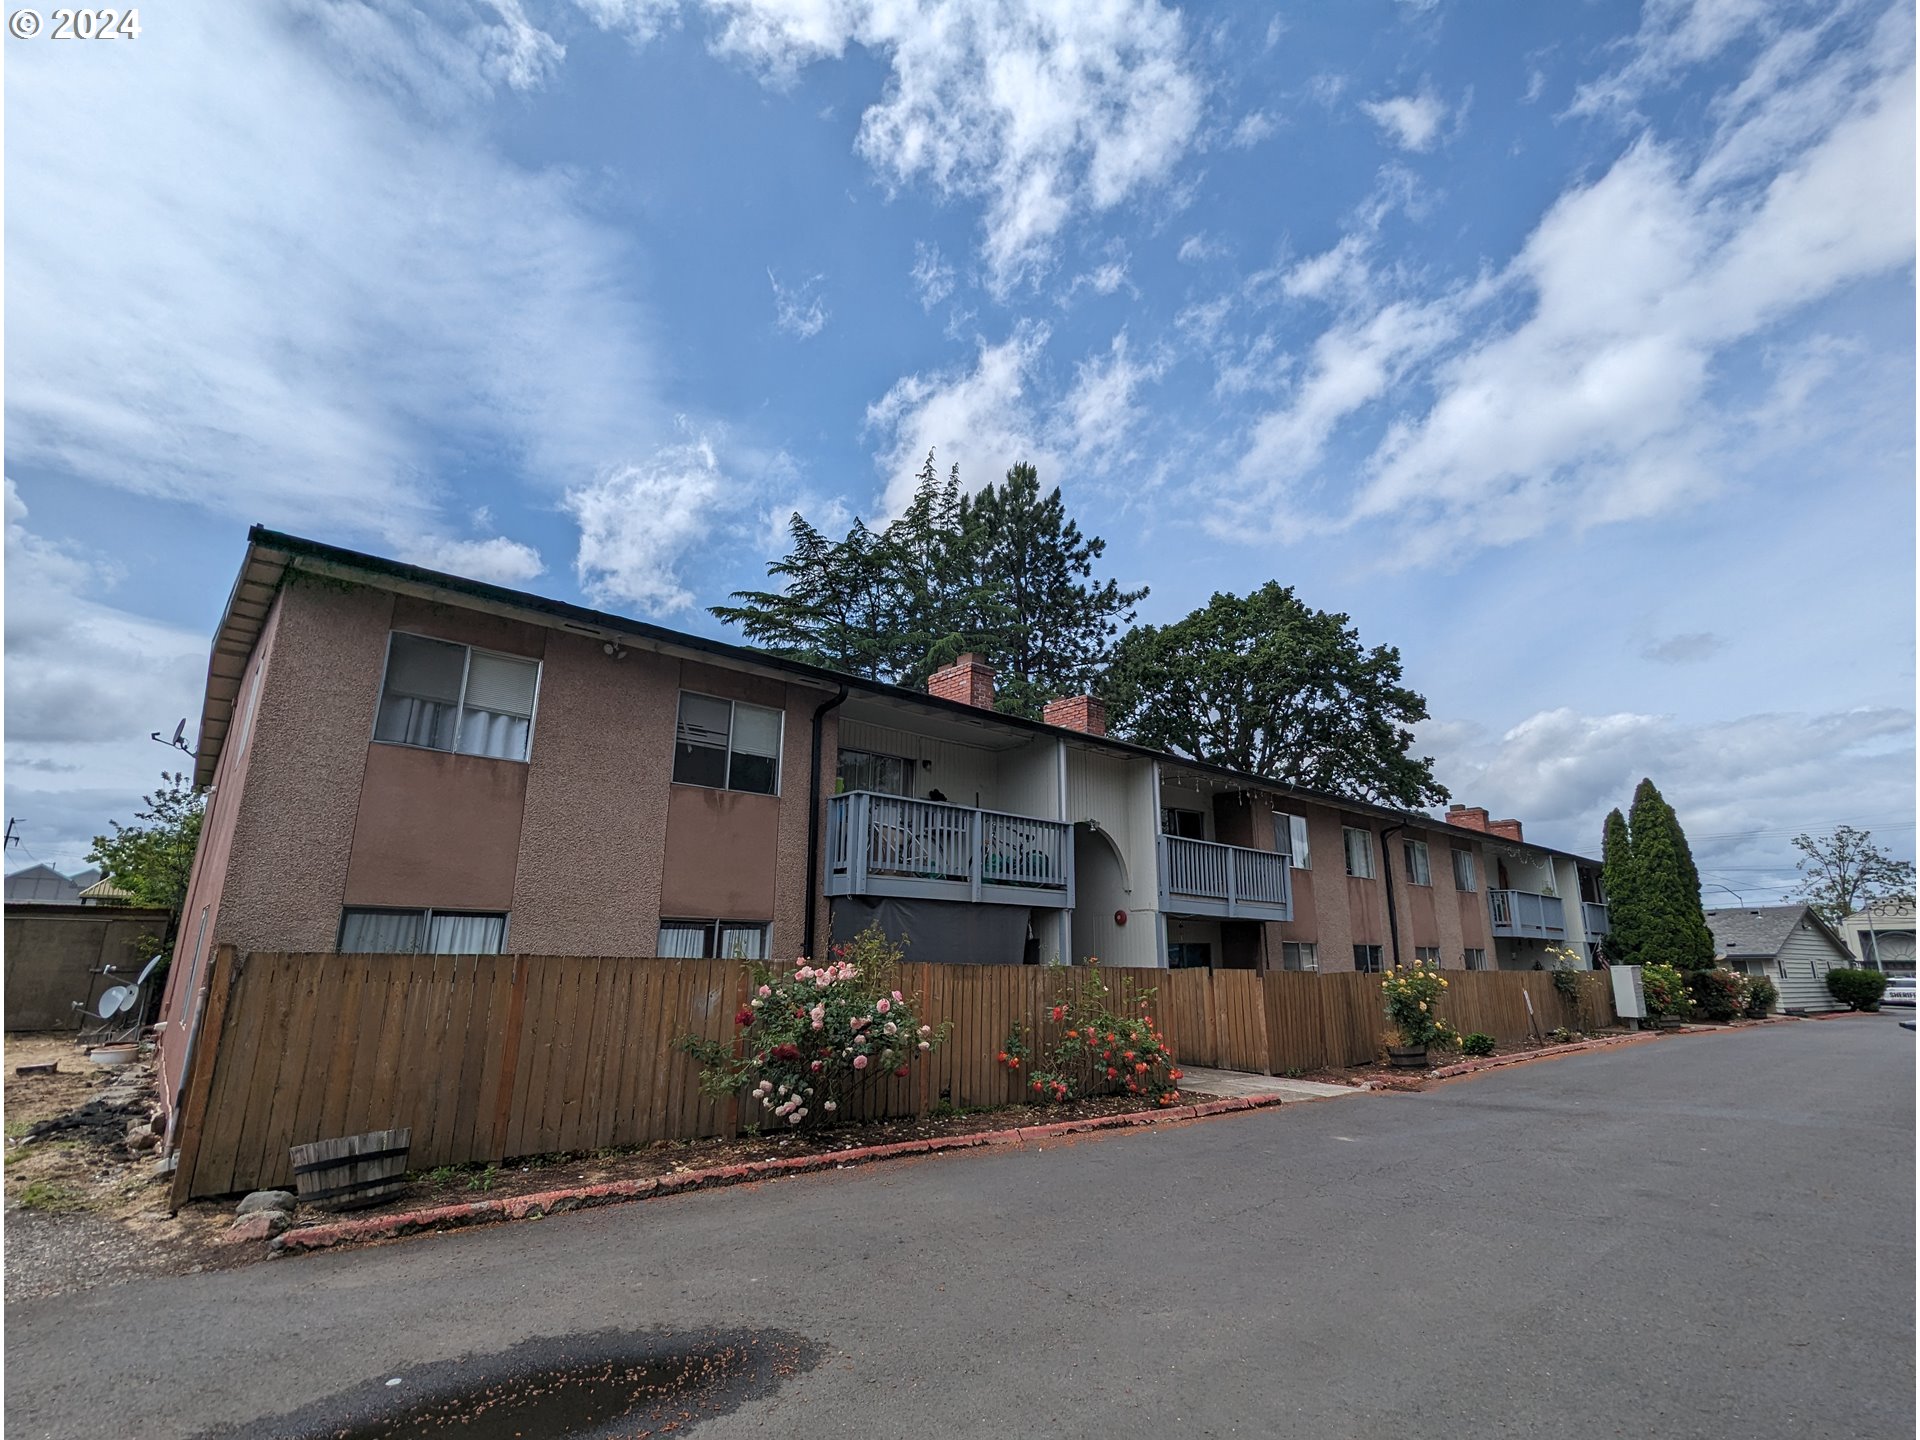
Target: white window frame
<point>1421,874</point>
<point>714,927</point>
<point>1372,870</point>
<point>426,912</point>
<point>733,706</point>
<point>1290,838</point>
<point>1306,955</point>
<point>1473,871</point>
<point>460,706</point>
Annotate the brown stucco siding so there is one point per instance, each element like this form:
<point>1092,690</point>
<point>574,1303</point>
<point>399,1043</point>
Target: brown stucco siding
<point>594,835</point>
<point>721,855</point>
<point>436,830</point>
<point>469,627</point>
<point>293,836</point>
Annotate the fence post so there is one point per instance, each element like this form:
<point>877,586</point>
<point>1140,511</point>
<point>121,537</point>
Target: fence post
<point>198,1088</point>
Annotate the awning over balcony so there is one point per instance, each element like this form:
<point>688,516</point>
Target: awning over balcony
<point>1199,877</point>
<point>923,849</point>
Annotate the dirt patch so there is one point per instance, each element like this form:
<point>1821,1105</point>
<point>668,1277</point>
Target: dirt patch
<point>84,1208</point>
<point>1382,1076</point>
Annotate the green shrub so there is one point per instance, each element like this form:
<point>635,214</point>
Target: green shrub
<point>1101,1050</point>
<point>1666,991</point>
<point>1413,995</point>
<point>1857,989</point>
<point>1762,997</point>
<point>1476,1045</point>
<point>1716,994</point>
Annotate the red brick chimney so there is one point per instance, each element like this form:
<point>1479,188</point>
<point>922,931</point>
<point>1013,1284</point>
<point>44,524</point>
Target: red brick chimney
<point>968,680</point>
<point>1472,817</point>
<point>1085,713</point>
<point>1505,829</point>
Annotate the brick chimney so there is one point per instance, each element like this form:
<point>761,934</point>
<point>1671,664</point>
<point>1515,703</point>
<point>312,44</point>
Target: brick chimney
<point>1505,829</point>
<point>968,680</point>
<point>1472,817</point>
<point>1085,713</point>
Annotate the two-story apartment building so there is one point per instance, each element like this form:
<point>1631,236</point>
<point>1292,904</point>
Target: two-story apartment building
<point>400,760</point>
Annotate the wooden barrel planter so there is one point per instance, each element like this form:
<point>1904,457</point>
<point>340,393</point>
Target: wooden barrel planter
<point>353,1171</point>
<point>1407,1057</point>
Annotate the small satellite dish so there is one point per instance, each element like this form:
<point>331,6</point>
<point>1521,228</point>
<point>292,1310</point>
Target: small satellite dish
<point>148,969</point>
<point>116,998</point>
<point>180,731</point>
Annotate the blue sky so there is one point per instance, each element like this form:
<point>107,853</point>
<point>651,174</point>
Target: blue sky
<point>1568,348</point>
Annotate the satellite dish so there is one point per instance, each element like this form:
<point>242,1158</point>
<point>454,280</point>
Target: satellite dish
<point>180,731</point>
<point>116,998</point>
<point>148,969</point>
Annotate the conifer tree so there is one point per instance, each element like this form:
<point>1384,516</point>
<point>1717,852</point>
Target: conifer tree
<point>1668,922</point>
<point>1616,875</point>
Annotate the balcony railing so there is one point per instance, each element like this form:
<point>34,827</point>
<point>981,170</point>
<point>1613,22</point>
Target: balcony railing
<point>1198,877</point>
<point>1521,913</point>
<point>923,849</point>
<point>1595,918</point>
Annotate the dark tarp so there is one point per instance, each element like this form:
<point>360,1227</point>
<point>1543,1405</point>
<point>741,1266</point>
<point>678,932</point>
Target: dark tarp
<point>945,931</point>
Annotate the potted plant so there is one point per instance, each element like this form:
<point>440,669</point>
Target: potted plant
<point>1413,994</point>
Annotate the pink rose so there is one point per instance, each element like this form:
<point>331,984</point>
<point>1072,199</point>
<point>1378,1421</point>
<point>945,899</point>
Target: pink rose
<point>883,1006</point>
<point>896,997</point>
<point>765,991</point>
<point>859,1062</point>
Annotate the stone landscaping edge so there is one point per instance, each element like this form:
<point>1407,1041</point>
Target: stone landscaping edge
<point>328,1234</point>
<point>1554,1052</point>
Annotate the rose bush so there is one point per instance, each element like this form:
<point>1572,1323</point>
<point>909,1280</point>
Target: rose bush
<point>1096,1050</point>
<point>1412,993</point>
<point>812,1035</point>
<point>1666,992</point>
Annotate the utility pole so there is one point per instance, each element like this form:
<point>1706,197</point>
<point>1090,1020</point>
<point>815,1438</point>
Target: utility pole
<point>11,839</point>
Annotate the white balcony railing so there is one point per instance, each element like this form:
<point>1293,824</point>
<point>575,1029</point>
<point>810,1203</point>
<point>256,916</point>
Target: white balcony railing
<point>888,845</point>
<point>1199,877</point>
<point>1523,914</point>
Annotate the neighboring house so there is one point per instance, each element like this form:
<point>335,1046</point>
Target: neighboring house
<point>44,885</point>
<point>1789,944</point>
<point>105,892</point>
<point>402,760</point>
<point>1881,936</point>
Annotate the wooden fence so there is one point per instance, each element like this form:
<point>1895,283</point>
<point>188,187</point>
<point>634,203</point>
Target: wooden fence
<point>490,1057</point>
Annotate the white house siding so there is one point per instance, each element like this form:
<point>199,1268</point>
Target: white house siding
<point>1029,779</point>
<point>1802,964</point>
<point>965,774</point>
<point>1116,792</point>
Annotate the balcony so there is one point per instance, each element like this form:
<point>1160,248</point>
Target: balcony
<point>1595,919</point>
<point>1524,915</point>
<point>1198,877</point>
<point>925,850</point>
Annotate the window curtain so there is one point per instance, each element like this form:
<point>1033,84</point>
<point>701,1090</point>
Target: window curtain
<point>467,934</point>
<point>742,942</point>
<point>422,695</point>
<point>499,707</point>
<point>382,932</point>
<point>683,941</point>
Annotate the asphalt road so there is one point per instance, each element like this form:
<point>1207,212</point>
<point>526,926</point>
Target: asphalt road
<point>1697,1236</point>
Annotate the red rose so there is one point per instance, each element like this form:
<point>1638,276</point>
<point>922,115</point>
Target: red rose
<point>743,1016</point>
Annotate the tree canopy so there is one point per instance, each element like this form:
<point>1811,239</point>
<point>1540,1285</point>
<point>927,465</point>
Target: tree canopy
<point>1660,916</point>
<point>1006,574</point>
<point>1622,944</point>
<point>1266,684</point>
<point>1846,871</point>
<point>153,860</point>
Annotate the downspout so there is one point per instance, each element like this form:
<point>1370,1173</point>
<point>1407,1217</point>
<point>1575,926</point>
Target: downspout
<point>814,881</point>
<point>1386,869</point>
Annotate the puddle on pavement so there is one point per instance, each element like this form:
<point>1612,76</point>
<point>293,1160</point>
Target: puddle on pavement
<point>605,1386</point>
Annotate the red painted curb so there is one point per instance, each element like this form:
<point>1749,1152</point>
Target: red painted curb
<point>612,1192</point>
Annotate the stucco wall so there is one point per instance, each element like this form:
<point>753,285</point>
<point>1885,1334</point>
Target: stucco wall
<point>436,829</point>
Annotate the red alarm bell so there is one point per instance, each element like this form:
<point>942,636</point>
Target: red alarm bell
<point>1119,917</point>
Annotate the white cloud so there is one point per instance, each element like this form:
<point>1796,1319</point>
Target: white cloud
<point>86,684</point>
<point>496,559</point>
<point>639,521</point>
<point>1040,112</point>
<point>800,311</point>
<point>515,50</point>
<point>1102,409</point>
<point>1252,129</point>
<point>1743,785</point>
<point>1332,272</point>
<point>981,418</point>
<point>1411,121</point>
<point>933,278</point>
<point>1674,35</point>
<point>302,342</point>
<point>1196,248</point>
<point>639,20</point>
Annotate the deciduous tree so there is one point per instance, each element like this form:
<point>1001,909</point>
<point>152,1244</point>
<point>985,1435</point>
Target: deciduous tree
<point>1846,871</point>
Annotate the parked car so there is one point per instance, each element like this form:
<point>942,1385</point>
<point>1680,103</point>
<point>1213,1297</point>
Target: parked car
<point>1900,990</point>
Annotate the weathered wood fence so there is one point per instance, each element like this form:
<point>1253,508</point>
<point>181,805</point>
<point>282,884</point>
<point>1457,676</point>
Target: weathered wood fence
<point>488,1057</point>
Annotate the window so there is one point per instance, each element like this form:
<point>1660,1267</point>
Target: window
<point>1187,824</point>
<point>1463,872</point>
<point>727,745</point>
<point>1427,954</point>
<point>1359,845</point>
<point>415,932</point>
<point>1417,871</point>
<point>712,940</point>
<point>442,696</point>
<point>1476,959</point>
<point>1304,955</point>
<point>884,774</point>
<point>1189,955</point>
<point>1290,839</point>
<point>1367,957</point>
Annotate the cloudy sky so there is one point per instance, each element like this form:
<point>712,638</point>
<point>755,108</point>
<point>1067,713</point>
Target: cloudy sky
<point>1568,348</point>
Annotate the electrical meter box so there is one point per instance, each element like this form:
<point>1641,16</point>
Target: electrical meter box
<point>1629,995</point>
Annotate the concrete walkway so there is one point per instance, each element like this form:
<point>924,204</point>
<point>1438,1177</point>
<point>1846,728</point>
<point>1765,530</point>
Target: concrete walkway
<point>1238,1085</point>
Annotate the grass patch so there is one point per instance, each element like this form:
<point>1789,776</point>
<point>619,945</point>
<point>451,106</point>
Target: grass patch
<point>47,1196</point>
